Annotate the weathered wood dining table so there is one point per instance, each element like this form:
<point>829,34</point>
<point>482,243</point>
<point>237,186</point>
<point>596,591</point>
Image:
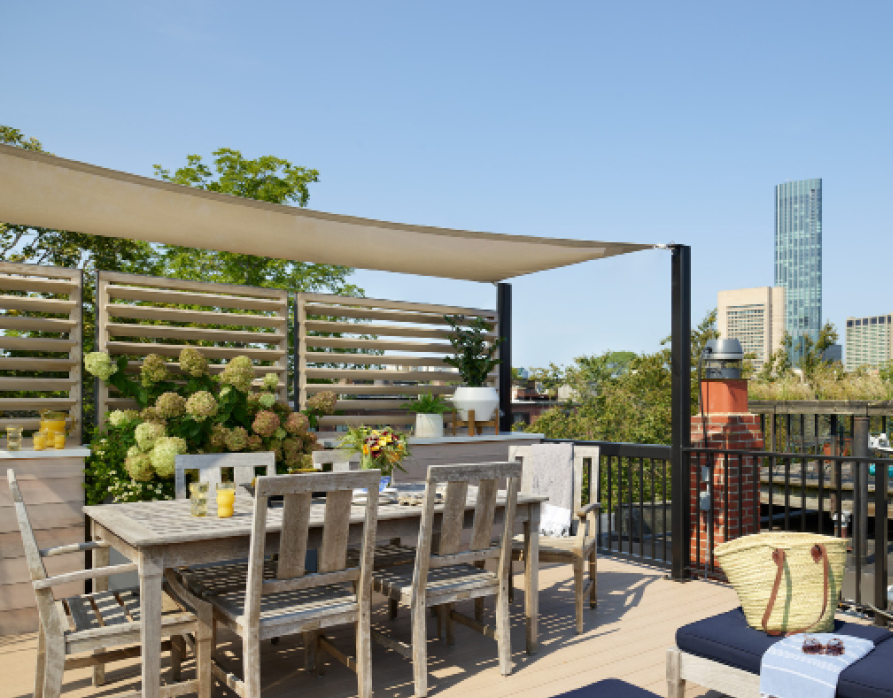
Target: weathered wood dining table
<point>164,534</point>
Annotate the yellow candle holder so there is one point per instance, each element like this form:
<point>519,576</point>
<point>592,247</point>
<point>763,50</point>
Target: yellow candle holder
<point>40,440</point>
<point>226,500</point>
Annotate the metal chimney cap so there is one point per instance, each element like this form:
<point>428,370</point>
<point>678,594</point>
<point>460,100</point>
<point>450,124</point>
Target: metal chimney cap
<point>723,350</point>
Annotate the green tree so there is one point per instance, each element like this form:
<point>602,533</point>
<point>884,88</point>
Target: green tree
<point>267,178</point>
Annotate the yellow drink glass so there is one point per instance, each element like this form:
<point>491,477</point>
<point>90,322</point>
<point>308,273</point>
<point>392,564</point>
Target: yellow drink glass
<point>59,439</point>
<point>40,441</point>
<point>226,500</point>
<point>13,438</point>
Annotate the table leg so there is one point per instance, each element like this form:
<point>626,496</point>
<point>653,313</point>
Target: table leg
<point>532,574</point>
<point>151,592</point>
<point>100,559</point>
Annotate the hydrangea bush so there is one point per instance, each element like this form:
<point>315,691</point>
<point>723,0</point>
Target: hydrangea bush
<point>133,455</point>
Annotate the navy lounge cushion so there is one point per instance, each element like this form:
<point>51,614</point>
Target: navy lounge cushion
<point>609,688</point>
<point>727,638</point>
<point>871,676</point>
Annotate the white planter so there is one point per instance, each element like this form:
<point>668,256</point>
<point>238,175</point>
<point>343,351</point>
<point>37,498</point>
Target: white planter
<point>429,425</point>
<point>483,401</point>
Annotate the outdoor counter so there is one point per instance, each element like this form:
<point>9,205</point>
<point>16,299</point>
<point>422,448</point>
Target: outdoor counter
<point>52,484</point>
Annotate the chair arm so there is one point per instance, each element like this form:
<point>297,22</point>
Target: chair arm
<point>73,548</point>
<point>585,511</point>
<point>82,575</point>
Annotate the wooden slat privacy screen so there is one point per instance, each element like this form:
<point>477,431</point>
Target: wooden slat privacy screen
<point>42,329</point>
<point>409,342</point>
<point>140,315</point>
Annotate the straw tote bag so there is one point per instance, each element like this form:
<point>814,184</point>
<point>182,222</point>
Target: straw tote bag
<point>787,582</point>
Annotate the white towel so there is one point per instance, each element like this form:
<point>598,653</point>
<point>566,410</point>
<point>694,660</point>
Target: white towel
<point>552,475</point>
<point>786,671</point>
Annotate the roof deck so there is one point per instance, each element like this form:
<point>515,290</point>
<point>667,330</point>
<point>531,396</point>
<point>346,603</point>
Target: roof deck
<point>626,637</point>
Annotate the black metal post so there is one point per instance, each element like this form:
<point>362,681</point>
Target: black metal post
<point>860,488</point>
<point>881,484</point>
<point>504,313</point>
<point>681,409</point>
<point>296,379</point>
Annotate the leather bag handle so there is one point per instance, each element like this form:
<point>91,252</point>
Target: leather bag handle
<point>819,554</point>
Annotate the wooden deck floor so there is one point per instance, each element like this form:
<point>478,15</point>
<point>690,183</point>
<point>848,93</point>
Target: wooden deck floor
<point>626,637</point>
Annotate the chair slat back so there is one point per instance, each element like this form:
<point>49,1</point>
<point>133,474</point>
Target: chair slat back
<point>297,492</point>
<point>339,459</point>
<point>487,476</point>
<point>587,459</point>
<point>210,467</point>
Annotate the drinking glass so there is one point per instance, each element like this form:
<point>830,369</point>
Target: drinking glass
<point>14,438</point>
<point>198,497</point>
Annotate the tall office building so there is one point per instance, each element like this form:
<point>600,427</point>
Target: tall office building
<point>753,316</point>
<point>798,257</point>
<point>869,341</point>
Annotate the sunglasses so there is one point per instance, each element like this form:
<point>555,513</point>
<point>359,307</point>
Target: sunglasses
<point>834,647</point>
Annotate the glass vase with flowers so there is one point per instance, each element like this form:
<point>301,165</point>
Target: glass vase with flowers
<point>380,449</point>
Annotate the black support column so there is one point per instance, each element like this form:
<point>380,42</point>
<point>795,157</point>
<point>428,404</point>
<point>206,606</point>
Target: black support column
<point>681,409</point>
<point>504,311</point>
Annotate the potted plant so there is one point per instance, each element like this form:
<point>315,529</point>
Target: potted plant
<point>429,409</point>
<point>379,449</point>
<point>474,360</point>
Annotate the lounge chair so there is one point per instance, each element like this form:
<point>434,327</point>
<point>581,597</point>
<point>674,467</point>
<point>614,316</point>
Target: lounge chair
<point>609,688</point>
<point>723,653</point>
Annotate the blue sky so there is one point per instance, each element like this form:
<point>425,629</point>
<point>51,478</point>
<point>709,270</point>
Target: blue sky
<point>636,121</point>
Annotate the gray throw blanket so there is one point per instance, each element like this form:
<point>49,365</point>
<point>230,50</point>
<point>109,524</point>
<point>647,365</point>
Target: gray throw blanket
<point>552,475</point>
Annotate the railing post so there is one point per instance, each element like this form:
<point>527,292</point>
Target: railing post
<point>504,313</point>
<point>860,489</point>
<point>680,366</point>
<point>881,483</point>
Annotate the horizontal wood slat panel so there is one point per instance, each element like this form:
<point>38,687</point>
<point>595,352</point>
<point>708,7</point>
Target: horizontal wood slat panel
<point>40,305</point>
<point>189,285</point>
<point>35,403</point>
<point>400,359</point>
<point>35,324</point>
<point>376,345</point>
<point>202,317</point>
<point>144,348</point>
<point>199,333</point>
<point>262,338</point>
<point>373,374</point>
<point>39,271</point>
<point>322,298</point>
<point>27,424</point>
<point>329,357</point>
<point>21,363</point>
<point>369,420</point>
<point>210,300</point>
<point>37,280</point>
<point>20,283</point>
<point>35,344</point>
<point>52,384</point>
<point>344,311</point>
<point>339,389</point>
<point>386,330</point>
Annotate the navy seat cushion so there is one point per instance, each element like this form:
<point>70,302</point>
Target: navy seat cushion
<point>609,688</point>
<point>870,677</point>
<point>727,638</point>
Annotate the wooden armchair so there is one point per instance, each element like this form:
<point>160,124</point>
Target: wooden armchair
<point>267,599</point>
<point>579,549</point>
<point>438,580</point>
<point>89,624</point>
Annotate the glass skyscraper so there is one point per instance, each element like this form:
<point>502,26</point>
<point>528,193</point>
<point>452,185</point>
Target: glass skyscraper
<point>798,257</point>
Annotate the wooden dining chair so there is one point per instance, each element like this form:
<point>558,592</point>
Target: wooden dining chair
<point>268,599</point>
<point>90,624</point>
<point>210,468</point>
<point>456,572</point>
<point>579,548</point>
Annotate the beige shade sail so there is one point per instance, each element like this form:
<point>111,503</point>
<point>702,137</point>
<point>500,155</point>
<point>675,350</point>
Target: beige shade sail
<point>45,191</point>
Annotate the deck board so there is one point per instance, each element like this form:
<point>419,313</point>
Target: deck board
<point>626,637</point>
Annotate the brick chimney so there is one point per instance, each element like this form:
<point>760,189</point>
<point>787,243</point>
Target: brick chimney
<point>726,424</point>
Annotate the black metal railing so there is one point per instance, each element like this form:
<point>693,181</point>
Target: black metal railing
<point>743,491</point>
<point>634,488</point>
